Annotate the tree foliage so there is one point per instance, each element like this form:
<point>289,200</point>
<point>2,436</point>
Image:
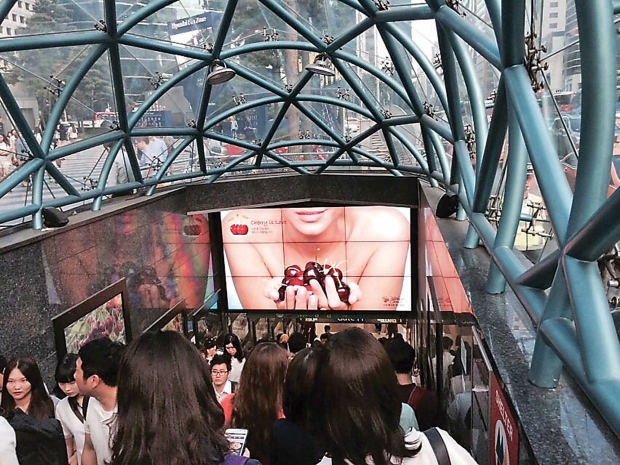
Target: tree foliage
<point>41,72</point>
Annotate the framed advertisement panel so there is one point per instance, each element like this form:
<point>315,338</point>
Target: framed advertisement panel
<point>104,314</point>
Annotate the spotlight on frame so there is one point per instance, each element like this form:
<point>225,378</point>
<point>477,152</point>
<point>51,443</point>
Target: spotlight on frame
<point>322,65</point>
<point>219,73</point>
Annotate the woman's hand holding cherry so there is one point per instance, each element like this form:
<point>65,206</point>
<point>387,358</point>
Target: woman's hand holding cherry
<point>318,287</point>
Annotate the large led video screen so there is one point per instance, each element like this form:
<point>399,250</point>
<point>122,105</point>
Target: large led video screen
<point>319,258</point>
<point>164,255</point>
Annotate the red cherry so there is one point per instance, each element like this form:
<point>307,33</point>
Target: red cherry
<point>292,271</point>
<point>343,293</point>
<point>336,273</point>
<point>311,273</point>
<point>233,229</point>
<point>295,282</point>
<point>285,281</point>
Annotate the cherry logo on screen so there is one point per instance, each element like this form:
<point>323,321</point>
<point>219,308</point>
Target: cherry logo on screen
<point>239,229</point>
<point>293,276</point>
<point>239,226</point>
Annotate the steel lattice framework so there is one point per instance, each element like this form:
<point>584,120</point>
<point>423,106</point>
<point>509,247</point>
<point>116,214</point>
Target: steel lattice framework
<point>563,293</point>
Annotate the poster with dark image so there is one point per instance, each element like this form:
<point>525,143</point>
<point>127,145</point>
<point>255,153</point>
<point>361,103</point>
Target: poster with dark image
<point>174,319</point>
<point>318,258</point>
<point>105,314</point>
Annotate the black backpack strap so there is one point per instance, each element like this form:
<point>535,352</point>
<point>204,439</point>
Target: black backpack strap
<point>75,408</point>
<point>438,445</point>
<point>85,406</point>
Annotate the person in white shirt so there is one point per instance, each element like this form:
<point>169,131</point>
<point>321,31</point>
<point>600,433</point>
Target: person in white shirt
<point>232,344</point>
<point>7,444</point>
<point>234,126</point>
<point>159,148</point>
<point>220,368</point>
<point>120,171</point>
<point>6,156</point>
<point>71,410</point>
<point>96,375</point>
<point>148,156</point>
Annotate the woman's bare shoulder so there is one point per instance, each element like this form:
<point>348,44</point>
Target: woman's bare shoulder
<point>377,224</point>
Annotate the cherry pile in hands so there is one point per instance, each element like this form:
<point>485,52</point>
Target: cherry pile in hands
<point>293,276</point>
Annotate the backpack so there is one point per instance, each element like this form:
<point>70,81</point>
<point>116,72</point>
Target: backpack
<point>38,440</point>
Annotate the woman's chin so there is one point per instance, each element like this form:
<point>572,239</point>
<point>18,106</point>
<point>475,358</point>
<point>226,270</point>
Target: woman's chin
<point>313,230</point>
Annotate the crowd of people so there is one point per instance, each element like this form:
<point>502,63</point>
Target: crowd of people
<point>151,152</point>
<point>344,399</point>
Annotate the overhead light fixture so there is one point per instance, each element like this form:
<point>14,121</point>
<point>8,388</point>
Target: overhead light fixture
<point>322,65</point>
<point>219,73</point>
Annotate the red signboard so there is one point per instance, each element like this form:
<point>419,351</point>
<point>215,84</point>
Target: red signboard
<point>504,434</point>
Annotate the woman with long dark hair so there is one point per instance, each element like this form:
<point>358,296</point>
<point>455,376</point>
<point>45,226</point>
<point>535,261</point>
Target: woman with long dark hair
<point>30,411</point>
<point>257,403</point>
<point>167,410</point>
<point>292,438</point>
<point>71,410</point>
<point>24,389</point>
<point>358,408</point>
<point>232,344</point>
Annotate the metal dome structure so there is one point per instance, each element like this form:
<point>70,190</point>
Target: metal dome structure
<point>467,95</point>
